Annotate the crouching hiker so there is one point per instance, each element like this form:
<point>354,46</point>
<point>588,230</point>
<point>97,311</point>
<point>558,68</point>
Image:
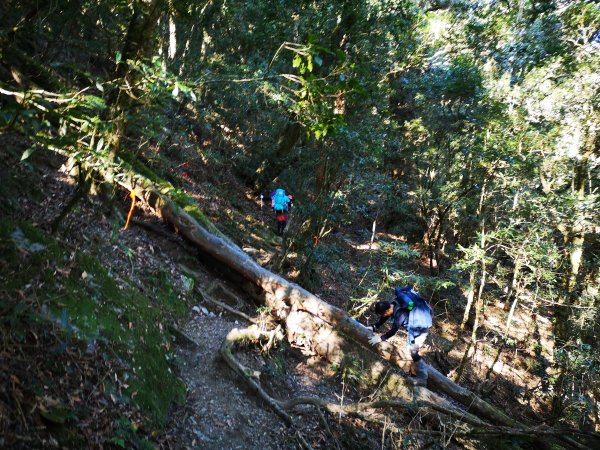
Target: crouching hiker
<point>410,311</point>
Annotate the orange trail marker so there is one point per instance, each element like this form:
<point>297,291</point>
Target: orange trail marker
<point>133,197</point>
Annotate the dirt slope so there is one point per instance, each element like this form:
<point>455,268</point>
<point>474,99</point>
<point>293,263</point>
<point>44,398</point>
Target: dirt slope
<point>219,411</point>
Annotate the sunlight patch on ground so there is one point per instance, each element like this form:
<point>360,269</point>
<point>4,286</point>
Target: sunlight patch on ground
<point>367,246</point>
<point>447,330</point>
<point>393,237</point>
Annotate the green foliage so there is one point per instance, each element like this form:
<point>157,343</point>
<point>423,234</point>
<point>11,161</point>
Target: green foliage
<point>397,250</point>
<point>426,285</point>
<point>275,365</point>
<point>466,130</point>
<point>312,93</point>
<point>461,81</point>
<point>352,372</point>
<point>580,361</point>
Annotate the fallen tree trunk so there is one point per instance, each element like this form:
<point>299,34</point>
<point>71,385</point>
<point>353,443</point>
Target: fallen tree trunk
<point>470,425</point>
<point>253,334</point>
<point>326,329</point>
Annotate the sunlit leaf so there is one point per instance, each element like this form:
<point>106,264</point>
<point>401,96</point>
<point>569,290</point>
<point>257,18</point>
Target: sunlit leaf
<point>27,153</point>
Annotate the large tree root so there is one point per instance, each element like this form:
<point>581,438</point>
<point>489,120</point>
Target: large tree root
<point>208,298</point>
<point>252,334</point>
<point>324,328</point>
<point>466,424</point>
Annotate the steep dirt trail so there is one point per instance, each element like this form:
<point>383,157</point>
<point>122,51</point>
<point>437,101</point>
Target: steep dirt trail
<point>219,412</point>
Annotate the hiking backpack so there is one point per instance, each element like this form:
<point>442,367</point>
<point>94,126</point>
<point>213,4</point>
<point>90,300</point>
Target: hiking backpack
<point>280,201</point>
<point>420,311</point>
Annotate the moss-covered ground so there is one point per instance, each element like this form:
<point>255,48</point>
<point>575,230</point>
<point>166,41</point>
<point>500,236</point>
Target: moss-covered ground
<point>42,282</point>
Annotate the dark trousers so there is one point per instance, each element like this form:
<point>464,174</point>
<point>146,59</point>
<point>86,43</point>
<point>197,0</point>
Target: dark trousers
<point>281,217</point>
<point>280,227</point>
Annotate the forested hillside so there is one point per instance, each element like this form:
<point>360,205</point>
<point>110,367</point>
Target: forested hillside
<point>146,298</point>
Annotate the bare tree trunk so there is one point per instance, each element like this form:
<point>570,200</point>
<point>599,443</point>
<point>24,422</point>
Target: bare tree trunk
<point>478,308</point>
<point>271,167</point>
<point>514,280</point>
<point>473,274</point>
<point>511,313</point>
<point>325,329</point>
<point>574,235</point>
<point>470,296</point>
<point>172,34</point>
<point>322,175</point>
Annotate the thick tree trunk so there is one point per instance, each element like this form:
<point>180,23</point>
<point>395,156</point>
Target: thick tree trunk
<point>139,41</point>
<point>574,233</point>
<point>325,329</point>
<point>271,167</point>
<point>574,236</point>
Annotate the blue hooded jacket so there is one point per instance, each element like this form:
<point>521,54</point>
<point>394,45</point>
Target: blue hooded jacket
<point>411,311</point>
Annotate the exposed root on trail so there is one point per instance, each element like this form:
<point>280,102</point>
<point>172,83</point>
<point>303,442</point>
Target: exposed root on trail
<point>250,377</point>
<point>363,411</point>
<point>208,298</point>
<point>465,425</point>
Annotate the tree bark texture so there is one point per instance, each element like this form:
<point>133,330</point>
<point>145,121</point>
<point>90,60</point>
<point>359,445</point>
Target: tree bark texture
<point>137,45</point>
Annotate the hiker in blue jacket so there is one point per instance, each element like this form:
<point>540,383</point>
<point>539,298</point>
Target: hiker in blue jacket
<point>408,310</point>
<point>281,203</point>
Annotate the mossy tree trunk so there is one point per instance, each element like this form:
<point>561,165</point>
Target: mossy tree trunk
<point>139,43</point>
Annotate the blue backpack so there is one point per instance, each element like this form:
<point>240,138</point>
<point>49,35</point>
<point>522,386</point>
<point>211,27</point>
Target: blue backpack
<point>280,201</point>
<point>420,311</point>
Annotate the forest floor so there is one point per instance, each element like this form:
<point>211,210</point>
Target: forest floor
<point>219,412</point>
